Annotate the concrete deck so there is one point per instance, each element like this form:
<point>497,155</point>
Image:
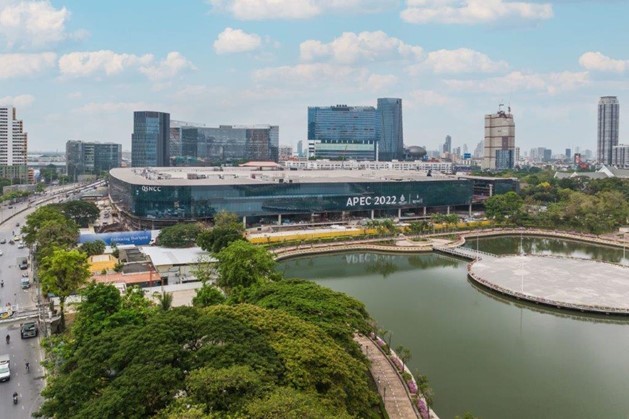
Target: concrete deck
<point>577,284</point>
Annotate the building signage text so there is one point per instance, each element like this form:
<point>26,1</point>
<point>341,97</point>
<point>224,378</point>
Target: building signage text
<point>366,201</point>
<point>151,188</point>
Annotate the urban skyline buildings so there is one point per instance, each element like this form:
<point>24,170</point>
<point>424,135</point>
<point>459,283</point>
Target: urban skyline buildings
<point>390,129</point>
<point>91,158</point>
<point>150,139</point>
<point>357,132</point>
<point>608,123</point>
<point>13,145</point>
<point>499,143</point>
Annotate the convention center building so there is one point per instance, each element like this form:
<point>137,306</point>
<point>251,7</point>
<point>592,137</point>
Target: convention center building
<point>166,195</point>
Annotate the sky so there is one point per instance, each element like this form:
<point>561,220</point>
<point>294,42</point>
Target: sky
<point>76,69</point>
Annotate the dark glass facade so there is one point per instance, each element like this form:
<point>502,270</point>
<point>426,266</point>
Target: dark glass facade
<point>390,132</point>
<point>150,139</point>
<point>608,123</point>
<point>203,201</point>
<point>227,144</point>
<point>91,158</point>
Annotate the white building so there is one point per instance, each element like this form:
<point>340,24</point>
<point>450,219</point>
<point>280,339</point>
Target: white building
<point>13,139</point>
<point>620,156</point>
<point>499,145</point>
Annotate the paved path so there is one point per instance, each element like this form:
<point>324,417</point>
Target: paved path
<point>391,389</point>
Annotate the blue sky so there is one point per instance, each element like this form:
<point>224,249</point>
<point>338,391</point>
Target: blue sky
<point>77,69</point>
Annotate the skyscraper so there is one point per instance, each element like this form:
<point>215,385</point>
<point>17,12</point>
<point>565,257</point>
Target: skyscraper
<point>341,131</point>
<point>447,146</point>
<point>608,119</point>
<point>390,129</point>
<point>499,145</point>
<point>150,139</point>
<point>13,144</point>
<point>91,158</point>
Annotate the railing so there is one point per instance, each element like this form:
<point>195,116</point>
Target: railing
<point>464,252</point>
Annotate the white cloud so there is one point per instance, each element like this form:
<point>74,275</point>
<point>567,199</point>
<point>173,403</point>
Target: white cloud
<point>295,9</point>
<point>110,63</point>
<point>87,63</point>
<point>517,81</point>
<point>365,46</point>
<point>32,23</point>
<point>427,98</point>
<point>236,40</point>
<point>462,60</point>
<point>16,65</point>
<point>20,101</point>
<point>167,68</point>
<point>379,82</point>
<point>473,11</point>
<point>595,61</point>
<point>112,107</point>
<point>307,73</point>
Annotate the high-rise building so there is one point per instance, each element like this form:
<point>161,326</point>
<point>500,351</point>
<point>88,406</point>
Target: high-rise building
<point>390,129</point>
<point>300,148</point>
<point>608,120</point>
<point>499,137</point>
<point>91,158</point>
<point>357,132</point>
<point>343,132</point>
<point>286,152</point>
<point>13,146</point>
<point>548,154</point>
<point>478,151</point>
<point>568,153</point>
<point>620,156</point>
<point>150,139</point>
<point>227,144</point>
<point>447,146</point>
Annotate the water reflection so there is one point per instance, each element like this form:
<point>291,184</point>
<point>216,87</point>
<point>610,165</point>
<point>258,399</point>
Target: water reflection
<point>545,245</point>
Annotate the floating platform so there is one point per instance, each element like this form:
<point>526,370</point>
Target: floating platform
<point>570,283</point>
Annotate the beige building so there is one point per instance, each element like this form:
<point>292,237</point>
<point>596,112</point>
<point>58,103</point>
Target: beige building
<point>499,145</point>
<point>13,141</point>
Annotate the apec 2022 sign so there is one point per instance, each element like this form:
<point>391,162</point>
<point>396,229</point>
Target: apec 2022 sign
<point>382,200</point>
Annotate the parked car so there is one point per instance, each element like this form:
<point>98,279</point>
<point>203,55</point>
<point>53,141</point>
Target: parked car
<point>28,330</point>
<point>20,245</point>
<point>5,371</point>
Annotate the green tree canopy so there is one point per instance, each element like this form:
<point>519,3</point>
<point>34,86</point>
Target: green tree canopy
<point>81,212</point>
<point>208,295</point>
<point>243,264</point>
<point>227,229</point>
<point>97,247</point>
<point>55,234</point>
<point>338,314</point>
<point>63,273</point>
<point>223,361</point>
<point>503,206</point>
<point>36,220</point>
<point>179,235</point>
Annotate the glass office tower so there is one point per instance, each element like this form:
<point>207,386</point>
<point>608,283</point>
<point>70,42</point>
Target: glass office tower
<point>150,139</point>
<point>608,120</point>
<point>390,132</point>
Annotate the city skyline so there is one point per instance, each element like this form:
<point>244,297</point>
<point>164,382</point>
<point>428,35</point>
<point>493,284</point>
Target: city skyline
<point>75,71</point>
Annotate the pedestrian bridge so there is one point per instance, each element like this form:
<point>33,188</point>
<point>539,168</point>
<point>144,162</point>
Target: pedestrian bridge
<point>465,252</point>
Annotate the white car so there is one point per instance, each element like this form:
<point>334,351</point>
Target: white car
<point>1,253</point>
<point>19,246</point>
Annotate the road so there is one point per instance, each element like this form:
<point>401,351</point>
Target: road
<point>27,384</point>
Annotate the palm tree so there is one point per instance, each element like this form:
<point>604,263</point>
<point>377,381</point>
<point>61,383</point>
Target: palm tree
<point>165,300</point>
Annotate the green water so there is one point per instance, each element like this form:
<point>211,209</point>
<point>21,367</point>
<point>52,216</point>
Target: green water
<point>483,353</point>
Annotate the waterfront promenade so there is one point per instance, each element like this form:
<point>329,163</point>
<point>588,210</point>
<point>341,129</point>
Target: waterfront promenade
<point>397,401</point>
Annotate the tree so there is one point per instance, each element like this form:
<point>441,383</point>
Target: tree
<point>217,239</point>
<point>81,212</point>
<point>165,300</point>
<point>49,173</point>
<point>208,295</point>
<point>41,187</point>
<point>179,235</point>
<point>99,302</point>
<point>35,220</point>
<point>243,264</point>
<point>52,234</point>
<point>286,402</point>
<point>63,273</point>
<point>227,229</point>
<point>96,247</point>
<point>405,355</point>
<point>504,206</point>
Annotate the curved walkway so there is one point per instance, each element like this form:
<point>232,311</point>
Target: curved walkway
<point>397,400</point>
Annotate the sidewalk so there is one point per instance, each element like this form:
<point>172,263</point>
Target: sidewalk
<point>396,400</point>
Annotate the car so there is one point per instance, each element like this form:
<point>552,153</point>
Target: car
<point>5,371</point>
<point>11,242</point>
<point>3,241</point>
<point>10,206</point>
<point>1,253</point>
<point>19,246</point>
<point>28,330</point>
<point>17,224</point>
